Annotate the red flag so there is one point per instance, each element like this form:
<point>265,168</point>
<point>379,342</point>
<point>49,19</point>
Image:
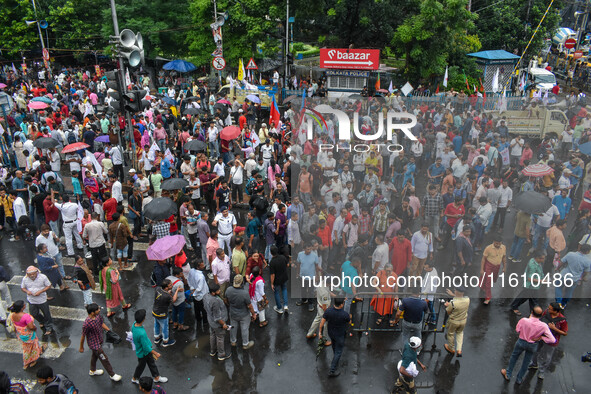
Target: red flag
<point>481,87</point>
<point>437,90</point>
<point>274,116</point>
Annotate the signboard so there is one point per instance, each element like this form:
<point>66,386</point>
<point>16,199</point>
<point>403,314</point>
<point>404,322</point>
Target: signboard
<point>353,59</point>
<point>97,70</point>
<point>45,54</point>
<point>578,54</point>
<point>251,65</point>
<point>24,67</point>
<point>219,63</point>
<point>347,73</point>
<point>570,43</point>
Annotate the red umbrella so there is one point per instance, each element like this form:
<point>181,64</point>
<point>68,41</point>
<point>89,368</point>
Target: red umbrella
<point>75,147</point>
<point>37,105</point>
<point>537,170</point>
<point>230,132</point>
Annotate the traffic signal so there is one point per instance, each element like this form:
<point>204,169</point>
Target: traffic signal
<point>131,47</point>
<point>134,101</point>
<point>114,89</point>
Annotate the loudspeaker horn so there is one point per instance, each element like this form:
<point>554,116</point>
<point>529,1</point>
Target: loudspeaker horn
<point>127,38</point>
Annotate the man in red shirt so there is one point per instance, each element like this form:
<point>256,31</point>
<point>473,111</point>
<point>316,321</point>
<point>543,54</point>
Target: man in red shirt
<point>241,119</point>
<point>453,212</point>
<point>52,214</point>
<point>110,207</point>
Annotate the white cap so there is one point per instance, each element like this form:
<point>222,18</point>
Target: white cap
<point>415,342</point>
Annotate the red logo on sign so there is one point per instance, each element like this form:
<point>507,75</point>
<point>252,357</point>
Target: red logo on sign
<point>355,59</point>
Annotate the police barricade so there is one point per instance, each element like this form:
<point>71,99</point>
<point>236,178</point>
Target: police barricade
<point>374,305</point>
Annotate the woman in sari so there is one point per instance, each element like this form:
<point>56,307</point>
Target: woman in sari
<point>25,328</point>
<point>109,282</point>
<point>383,303</point>
<point>91,185</point>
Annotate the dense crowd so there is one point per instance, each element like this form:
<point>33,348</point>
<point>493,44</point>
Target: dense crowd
<point>268,207</point>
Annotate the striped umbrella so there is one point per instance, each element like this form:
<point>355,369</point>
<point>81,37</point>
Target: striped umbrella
<point>537,170</point>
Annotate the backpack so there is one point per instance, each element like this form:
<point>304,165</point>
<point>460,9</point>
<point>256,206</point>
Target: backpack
<point>71,137</point>
<point>64,385</point>
<point>250,186</point>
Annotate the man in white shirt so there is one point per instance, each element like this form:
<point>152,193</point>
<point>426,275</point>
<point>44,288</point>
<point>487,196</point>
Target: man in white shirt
<point>54,160</point>
<point>147,159</point>
<point>186,168</point>
<point>69,212</point>
<point>49,238</point>
<point>225,221</point>
<point>117,159</point>
<point>516,147</point>
<point>116,188</point>
<point>504,203</point>
<point>430,282</point>
<point>194,184</point>
<point>250,165</point>
<point>74,160</point>
<point>237,180</point>
<point>542,224</point>
<point>212,138</point>
<point>268,153</point>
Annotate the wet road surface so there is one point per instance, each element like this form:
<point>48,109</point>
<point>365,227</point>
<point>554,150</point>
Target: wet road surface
<point>283,361</point>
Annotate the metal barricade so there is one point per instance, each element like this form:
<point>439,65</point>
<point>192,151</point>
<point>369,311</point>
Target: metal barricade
<point>366,312</point>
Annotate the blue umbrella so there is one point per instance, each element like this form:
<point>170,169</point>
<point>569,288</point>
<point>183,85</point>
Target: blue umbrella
<point>45,100</point>
<point>253,98</point>
<point>585,148</point>
<point>102,138</point>
<point>182,66</point>
<point>168,100</point>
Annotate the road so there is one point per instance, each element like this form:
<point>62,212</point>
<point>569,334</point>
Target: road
<point>283,361</point>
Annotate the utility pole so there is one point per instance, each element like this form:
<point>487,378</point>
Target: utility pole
<point>286,45</point>
<point>123,85</point>
<point>583,27</point>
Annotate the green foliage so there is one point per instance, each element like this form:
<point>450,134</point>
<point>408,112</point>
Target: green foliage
<point>15,35</point>
<point>508,25</point>
<point>434,32</point>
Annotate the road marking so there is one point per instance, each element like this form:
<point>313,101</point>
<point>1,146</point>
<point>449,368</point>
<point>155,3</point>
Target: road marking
<point>13,345</point>
<point>65,313</point>
<point>69,262</point>
<point>17,280</point>
<point>143,246</point>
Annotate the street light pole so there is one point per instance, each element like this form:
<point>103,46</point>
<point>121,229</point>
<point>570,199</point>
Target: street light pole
<point>38,26</point>
<point>286,45</point>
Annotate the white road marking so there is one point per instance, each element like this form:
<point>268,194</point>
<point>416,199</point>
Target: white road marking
<point>65,313</point>
<point>69,262</point>
<point>13,345</point>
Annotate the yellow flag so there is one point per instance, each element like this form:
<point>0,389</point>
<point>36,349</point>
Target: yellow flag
<point>241,71</point>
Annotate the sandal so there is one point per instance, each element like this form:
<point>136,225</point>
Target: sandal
<point>379,321</point>
<point>263,324</point>
<point>126,306</point>
<point>447,349</point>
<point>311,336</point>
<point>67,277</point>
<point>182,328</point>
<point>517,312</point>
<point>392,323</point>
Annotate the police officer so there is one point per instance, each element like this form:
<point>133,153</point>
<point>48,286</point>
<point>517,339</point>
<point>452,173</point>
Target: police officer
<point>69,212</point>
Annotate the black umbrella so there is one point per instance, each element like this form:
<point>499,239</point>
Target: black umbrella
<point>160,208</point>
<point>532,202</point>
<point>174,184</point>
<point>45,143</point>
<point>195,145</point>
<point>193,111</point>
<point>223,109</point>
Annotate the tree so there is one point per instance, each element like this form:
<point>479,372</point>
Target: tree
<point>15,35</point>
<point>434,32</point>
<point>510,24</point>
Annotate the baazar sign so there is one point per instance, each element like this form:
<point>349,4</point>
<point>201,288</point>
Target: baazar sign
<point>350,59</point>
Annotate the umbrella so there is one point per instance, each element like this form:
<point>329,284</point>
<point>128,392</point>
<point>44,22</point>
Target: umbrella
<point>45,100</point>
<point>537,170</point>
<point>382,91</point>
<point>195,145</point>
<point>224,101</point>
<point>2,85</point>
<point>532,202</point>
<point>165,247</point>
<point>174,184</point>
<point>182,66</point>
<point>102,138</point>
<point>76,146</point>
<point>291,98</point>
<point>230,132</point>
<point>37,105</point>
<point>160,208</point>
<point>585,148</point>
<point>44,143</point>
<point>193,111</point>
<point>168,100</point>
<point>253,98</point>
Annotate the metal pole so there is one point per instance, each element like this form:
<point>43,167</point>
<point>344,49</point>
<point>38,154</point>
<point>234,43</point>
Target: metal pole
<point>286,44</point>
<point>38,26</point>
<point>121,78</point>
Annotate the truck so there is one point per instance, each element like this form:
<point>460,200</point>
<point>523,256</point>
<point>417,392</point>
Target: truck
<point>543,121</point>
<point>265,93</point>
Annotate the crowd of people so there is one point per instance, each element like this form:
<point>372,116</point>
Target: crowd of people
<point>269,208</point>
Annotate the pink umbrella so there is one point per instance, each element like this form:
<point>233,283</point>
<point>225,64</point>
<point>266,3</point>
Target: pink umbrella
<point>537,170</point>
<point>38,105</point>
<point>49,95</point>
<point>230,132</point>
<point>2,85</point>
<point>165,247</point>
<point>224,101</point>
